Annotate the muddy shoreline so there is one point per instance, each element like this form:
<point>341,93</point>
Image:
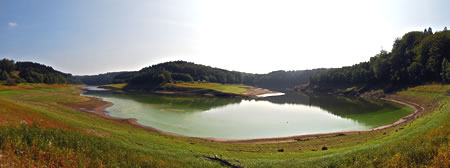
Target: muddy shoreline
<point>252,92</point>
<point>98,107</point>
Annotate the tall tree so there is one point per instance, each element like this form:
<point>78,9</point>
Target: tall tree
<point>4,75</point>
<point>445,74</point>
<point>7,65</point>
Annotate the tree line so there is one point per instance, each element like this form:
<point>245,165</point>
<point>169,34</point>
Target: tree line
<point>100,79</point>
<point>153,77</point>
<point>416,58</point>
<point>29,72</point>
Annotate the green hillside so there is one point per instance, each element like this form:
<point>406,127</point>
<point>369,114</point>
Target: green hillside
<point>155,76</point>
<point>416,58</point>
<point>29,72</point>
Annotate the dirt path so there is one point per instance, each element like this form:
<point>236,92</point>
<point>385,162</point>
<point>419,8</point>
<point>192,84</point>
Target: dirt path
<point>98,106</point>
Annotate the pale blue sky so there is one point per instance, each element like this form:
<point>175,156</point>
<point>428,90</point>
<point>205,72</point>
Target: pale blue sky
<point>90,37</point>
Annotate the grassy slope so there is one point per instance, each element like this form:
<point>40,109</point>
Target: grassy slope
<point>66,137</point>
<point>226,88</point>
<point>380,117</point>
<point>114,86</point>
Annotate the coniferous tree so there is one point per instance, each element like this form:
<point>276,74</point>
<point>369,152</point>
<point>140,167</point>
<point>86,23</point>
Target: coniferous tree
<point>7,65</point>
<point>430,31</point>
<point>4,75</point>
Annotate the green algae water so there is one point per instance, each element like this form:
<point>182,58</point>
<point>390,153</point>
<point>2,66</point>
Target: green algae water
<point>233,118</point>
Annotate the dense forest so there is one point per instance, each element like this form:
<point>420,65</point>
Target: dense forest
<point>282,79</point>
<point>100,79</point>
<point>28,72</point>
<point>416,58</point>
<point>153,77</point>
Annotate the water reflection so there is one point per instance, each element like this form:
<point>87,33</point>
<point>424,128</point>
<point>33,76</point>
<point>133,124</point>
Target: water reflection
<point>232,118</point>
<point>182,103</point>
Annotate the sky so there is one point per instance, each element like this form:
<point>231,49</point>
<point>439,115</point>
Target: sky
<point>257,36</point>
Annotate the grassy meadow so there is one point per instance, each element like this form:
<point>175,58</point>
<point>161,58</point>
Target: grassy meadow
<point>114,86</point>
<point>225,88</point>
<point>41,127</point>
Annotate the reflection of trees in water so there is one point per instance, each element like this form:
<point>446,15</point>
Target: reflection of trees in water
<point>188,103</point>
<point>342,106</point>
<point>354,108</point>
<point>338,105</point>
<point>370,112</point>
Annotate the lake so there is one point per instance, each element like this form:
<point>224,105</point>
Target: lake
<point>236,118</point>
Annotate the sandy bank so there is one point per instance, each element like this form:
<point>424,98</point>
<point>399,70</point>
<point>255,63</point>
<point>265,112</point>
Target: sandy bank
<point>252,92</point>
<point>255,92</point>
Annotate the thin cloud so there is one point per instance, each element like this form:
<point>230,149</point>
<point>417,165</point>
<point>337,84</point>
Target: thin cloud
<point>12,24</point>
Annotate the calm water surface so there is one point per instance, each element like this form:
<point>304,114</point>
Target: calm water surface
<point>232,118</point>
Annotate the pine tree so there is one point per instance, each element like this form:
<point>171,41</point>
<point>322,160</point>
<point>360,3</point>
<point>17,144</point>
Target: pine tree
<point>430,31</point>
<point>4,75</point>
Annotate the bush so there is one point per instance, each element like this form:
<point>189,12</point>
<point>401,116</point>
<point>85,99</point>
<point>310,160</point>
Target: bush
<point>11,82</point>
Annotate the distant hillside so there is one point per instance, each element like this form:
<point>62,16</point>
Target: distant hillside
<point>416,58</point>
<point>30,72</point>
<point>279,80</point>
<point>100,79</point>
<point>155,76</point>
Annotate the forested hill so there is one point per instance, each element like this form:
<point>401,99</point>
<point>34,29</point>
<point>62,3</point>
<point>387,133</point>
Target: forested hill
<point>280,80</point>
<point>28,72</point>
<point>153,77</point>
<point>100,79</point>
<point>416,58</point>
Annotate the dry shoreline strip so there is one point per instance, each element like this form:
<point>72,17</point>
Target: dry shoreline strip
<point>100,106</point>
<point>252,92</point>
<point>255,92</point>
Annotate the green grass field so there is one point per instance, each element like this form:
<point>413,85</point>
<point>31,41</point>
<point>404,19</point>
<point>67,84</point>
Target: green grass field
<point>40,127</point>
<point>114,86</point>
<point>226,88</point>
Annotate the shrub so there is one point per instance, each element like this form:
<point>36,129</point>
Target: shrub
<point>11,82</point>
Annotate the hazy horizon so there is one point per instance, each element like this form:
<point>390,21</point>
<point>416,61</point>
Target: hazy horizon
<point>91,37</point>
